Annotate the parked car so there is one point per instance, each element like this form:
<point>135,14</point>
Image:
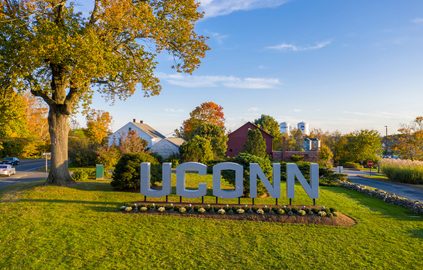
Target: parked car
<point>11,161</point>
<point>7,170</point>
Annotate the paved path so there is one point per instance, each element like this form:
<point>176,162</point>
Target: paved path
<point>413,192</point>
<point>27,171</point>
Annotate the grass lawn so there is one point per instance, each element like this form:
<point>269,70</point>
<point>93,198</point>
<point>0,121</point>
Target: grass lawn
<point>48,227</point>
<point>374,176</point>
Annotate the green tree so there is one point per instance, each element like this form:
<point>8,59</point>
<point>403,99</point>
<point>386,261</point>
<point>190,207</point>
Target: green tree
<point>325,156</point>
<point>62,56</point>
<point>271,126</point>
<point>197,149</point>
<point>297,140</point>
<point>410,140</point>
<point>217,137</point>
<point>255,144</point>
<point>363,145</point>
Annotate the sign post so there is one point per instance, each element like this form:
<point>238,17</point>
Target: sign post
<point>47,155</point>
<point>370,165</point>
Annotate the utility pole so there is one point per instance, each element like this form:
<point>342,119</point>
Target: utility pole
<point>386,139</point>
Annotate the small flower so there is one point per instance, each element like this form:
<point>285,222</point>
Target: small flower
<point>143,209</point>
<point>201,210</point>
<point>171,204</point>
<point>182,210</point>
<point>221,211</point>
<point>322,213</point>
<point>301,212</point>
<point>281,212</point>
<point>128,209</point>
<point>123,207</point>
<point>161,209</point>
<point>260,212</point>
<point>240,211</point>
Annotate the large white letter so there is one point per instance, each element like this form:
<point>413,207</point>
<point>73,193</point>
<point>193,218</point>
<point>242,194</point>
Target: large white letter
<point>311,189</point>
<point>239,178</point>
<point>180,180</point>
<point>145,188</point>
<point>255,171</point>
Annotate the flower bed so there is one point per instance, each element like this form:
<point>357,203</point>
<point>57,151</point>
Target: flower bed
<point>286,214</point>
<point>415,206</point>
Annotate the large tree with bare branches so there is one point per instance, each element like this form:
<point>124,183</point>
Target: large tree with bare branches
<point>62,56</point>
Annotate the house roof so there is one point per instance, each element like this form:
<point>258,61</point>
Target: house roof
<point>176,141</point>
<point>249,123</point>
<point>149,130</point>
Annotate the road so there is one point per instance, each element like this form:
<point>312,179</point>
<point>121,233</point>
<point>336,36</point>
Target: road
<point>412,192</point>
<point>26,171</point>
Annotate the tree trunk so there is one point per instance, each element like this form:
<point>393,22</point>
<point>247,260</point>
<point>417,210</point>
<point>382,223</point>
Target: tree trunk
<point>59,131</point>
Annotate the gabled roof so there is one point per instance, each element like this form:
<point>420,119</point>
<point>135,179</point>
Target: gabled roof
<point>176,141</point>
<point>149,130</point>
<point>249,123</point>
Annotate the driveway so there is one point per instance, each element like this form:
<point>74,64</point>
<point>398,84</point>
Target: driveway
<point>27,171</point>
<point>412,192</point>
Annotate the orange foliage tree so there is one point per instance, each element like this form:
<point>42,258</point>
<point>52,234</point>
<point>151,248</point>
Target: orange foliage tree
<point>98,126</point>
<point>208,112</point>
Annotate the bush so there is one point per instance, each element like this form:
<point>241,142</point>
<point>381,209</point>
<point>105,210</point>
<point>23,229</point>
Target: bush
<point>352,165</point>
<point>108,156</point>
<point>197,149</point>
<point>296,158</point>
<point>82,174</point>
<point>405,171</point>
<point>245,159</point>
<point>126,175</point>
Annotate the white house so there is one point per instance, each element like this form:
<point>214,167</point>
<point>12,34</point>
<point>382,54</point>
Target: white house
<point>167,147</point>
<point>144,131</point>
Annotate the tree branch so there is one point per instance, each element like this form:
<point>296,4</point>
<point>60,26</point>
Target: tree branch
<point>94,13</point>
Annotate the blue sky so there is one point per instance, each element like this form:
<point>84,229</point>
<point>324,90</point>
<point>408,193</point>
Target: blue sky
<point>338,65</point>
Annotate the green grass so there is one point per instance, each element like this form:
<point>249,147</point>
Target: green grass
<point>374,176</point>
<point>49,227</point>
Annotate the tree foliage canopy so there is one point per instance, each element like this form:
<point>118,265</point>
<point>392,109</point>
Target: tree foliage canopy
<point>271,126</point>
<point>208,112</point>
<point>197,149</point>
<point>255,145</point>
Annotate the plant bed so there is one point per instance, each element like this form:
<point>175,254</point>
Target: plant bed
<point>283,214</point>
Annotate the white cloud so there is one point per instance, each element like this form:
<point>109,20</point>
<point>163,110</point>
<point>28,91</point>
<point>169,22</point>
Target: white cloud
<point>253,109</point>
<point>173,110</point>
<point>417,20</point>
<point>295,48</point>
<point>214,8</point>
<point>218,37</point>
<point>219,81</point>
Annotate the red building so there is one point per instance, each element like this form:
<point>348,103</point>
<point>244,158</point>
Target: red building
<point>238,138</point>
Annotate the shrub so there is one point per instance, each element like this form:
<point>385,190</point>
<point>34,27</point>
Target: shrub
<point>79,176</point>
<point>82,174</point>
<point>126,175</point>
<point>197,149</point>
<point>296,158</point>
<point>405,171</point>
<point>352,165</point>
<point>245,159</point>
<point>108,156</point>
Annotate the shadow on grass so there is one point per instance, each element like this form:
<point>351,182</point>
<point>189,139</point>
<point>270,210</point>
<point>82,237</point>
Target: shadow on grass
<point>417,233</point>
<point>378,205</point>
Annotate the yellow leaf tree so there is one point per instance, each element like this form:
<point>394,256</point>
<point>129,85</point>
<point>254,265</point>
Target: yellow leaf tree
<point>62,55</point>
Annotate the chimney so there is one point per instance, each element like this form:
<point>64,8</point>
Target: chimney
<point>141,121</point>
<point>134,120</point>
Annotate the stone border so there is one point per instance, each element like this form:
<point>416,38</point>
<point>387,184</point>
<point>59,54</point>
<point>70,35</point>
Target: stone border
<point>392,198</point>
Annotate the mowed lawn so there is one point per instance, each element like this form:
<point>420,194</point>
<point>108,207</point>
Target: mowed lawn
<point>48,227</point>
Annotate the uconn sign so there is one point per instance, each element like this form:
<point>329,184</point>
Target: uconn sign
<point>310,186</point>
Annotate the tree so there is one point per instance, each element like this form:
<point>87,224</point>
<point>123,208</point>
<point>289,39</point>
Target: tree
<point>255,145</point>
<point>132,143</point>
<point>410,140</point>
<point>98,126</point>
<point>271,126</point>
<point>325,156</point>
<point>62,56</point>
<point>363,145</point>
<point>207,112</point>
<point>297,140</point>
<point>197,149</point>
<point>217,137</point>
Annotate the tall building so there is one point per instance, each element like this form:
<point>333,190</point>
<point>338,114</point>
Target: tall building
<point>285,128</point>
<point>304,127</point>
